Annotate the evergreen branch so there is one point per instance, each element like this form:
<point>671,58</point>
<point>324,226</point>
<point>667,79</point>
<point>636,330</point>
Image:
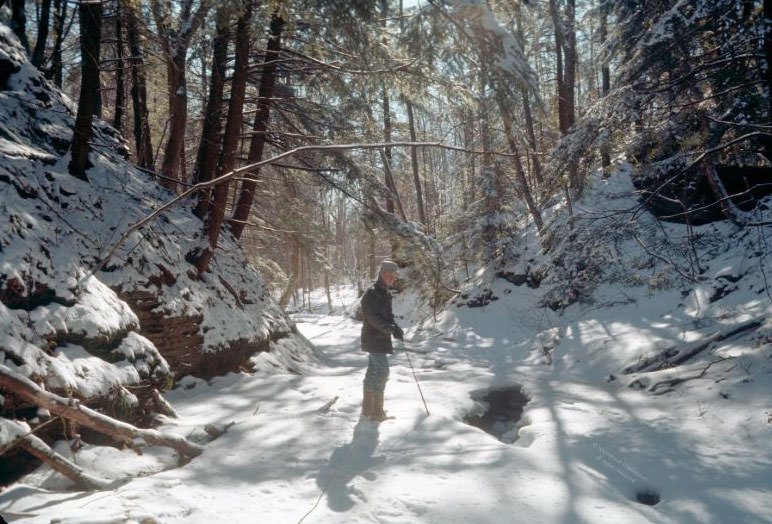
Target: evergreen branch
<point>328,65</point>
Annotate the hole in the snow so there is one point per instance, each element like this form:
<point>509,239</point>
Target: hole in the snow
<point>497,411</point>
<point>647,496</point>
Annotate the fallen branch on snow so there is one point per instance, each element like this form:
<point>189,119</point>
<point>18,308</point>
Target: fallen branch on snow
<point>666,386</point>
<point>134,437</point>
<point>674,356</point>
<point>33,445</point>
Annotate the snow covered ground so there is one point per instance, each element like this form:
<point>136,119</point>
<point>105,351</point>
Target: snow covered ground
<point>588,442</point>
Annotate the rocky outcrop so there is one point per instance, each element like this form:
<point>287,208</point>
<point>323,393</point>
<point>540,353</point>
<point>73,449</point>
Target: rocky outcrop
<point>110,336</point>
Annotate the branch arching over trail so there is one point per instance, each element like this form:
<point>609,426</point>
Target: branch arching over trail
<point>248,168</point>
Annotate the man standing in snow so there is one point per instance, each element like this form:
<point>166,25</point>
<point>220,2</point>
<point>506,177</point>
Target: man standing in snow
<point>378,326</point>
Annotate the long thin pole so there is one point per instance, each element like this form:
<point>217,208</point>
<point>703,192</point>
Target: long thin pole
<point>407,354</point>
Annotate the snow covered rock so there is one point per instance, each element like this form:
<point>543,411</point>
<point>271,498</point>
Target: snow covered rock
<point>145,316</point>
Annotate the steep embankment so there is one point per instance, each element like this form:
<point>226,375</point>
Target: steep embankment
<point>146,316</point>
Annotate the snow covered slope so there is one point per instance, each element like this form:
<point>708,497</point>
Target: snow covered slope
<point>587,448</point>
<point>605,433</point>
<point>85,333</point>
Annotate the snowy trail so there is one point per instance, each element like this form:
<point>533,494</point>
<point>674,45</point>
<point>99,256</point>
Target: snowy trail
<point>290,457</point>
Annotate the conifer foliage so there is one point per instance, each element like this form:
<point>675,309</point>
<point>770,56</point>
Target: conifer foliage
<point>493,115</point>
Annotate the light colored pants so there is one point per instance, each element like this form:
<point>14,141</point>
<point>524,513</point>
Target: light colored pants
<point>377,372</point>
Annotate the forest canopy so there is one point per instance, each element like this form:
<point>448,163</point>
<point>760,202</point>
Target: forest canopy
<point>326,135</point>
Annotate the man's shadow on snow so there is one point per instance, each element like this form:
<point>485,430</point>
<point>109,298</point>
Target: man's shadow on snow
<point>348,461</point>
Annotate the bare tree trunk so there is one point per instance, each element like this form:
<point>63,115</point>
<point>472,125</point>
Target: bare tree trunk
<point>90,37</point>
<point>178,116</point>
<point>175,43</point>
<point>565,59</point>
<point>215,209</point>
<point>142,142</point>
<point>387,153</point>
<point>469,187</point>
<point>371,262</point>
<point>576,181</point>
<point>120,88</point>
<point>570,64</point>
<point>55,71</point>
<point>414,163</point>
<point>208,150</point>
<point>396,201</point>
<point>485,135</point>
<point>267,83</point>
<point>18,22</point>
<point>524,187</point>
<point>39,53</point>
<point>385,103</point>
<point>24,388</point>
<point>767,24</point>
<point>292,284</point>
<point>326,221</point>
<point>559,69</point>
<point>531,135</point>
<point>605,158</point>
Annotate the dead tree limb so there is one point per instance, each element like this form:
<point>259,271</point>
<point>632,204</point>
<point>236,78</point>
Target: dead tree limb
<point>162,405</point>
<point>33,445</point>
<point>248,168</point>
<point>675,355</point>
<point>24,388</point>
<point>728,207</point>
<point>666,386</point>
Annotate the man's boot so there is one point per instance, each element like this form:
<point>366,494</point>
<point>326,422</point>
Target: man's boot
<point>367,403</point>
<point>378,414</point>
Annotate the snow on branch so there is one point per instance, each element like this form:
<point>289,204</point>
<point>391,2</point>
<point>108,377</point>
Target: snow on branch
<point>244,170</point>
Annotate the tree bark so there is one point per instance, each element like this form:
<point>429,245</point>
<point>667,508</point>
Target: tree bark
<point>214,209</point>
<point>142,141</point>
<point>565,60</point>
<point>576,181</point>
<point>38,54</point>
<point>18,22</point>
<point>569,57</point>
<point>559,68</point>
<point>90,37</point>
<point>257,144</point>
<point>178,116</point>
<point>531,135</point>
<point>385,103</point>
<point>414,163</point>
<point>120,88</point>
<point>208,150</point>
<point>294,276</point>
<point>767,24</point>
<point>519,171</point>
<point>70,409</point>
<point>605,158</point>
<point>175,43</point>
<point>483,113</point>
<point>60,14</point>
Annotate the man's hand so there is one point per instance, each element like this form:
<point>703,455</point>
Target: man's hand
<point>397,332</point>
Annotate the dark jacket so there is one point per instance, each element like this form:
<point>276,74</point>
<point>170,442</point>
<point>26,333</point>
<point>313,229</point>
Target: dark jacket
<point>377,319</point>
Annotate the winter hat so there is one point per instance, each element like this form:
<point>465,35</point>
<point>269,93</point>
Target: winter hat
<point>388,265</point>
